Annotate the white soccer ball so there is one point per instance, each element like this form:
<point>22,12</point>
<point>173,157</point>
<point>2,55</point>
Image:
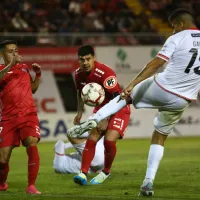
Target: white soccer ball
<point>93,94</point>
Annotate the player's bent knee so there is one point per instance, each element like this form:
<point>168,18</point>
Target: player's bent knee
<point>30,141</point>
<point>158,137</point>
<point>4,157</point>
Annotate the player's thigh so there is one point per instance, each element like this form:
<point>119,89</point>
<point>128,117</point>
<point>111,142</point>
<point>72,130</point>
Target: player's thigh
<point>8,135</point>
<point>141,94</point>
<point>29,133</point>
<point>117,125</point>
<point>165,121</point>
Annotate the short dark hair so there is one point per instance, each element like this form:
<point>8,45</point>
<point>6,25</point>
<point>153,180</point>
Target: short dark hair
<point>6,42</point>
<point>85,50</point>
<point>178,13</point>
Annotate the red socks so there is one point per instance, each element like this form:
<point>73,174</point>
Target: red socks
<point>110,152</point>
<point>88,155</point>
<point>33,164</point>
<point>4,169</point>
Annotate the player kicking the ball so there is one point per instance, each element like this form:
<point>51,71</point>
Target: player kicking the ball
<point>170,92</point>
<point>112,129</point>
<point>18,120</point>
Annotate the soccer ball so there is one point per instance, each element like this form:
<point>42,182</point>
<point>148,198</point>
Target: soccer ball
<point>93,94</point>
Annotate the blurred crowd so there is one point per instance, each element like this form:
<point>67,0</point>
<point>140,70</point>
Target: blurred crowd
<point>89,17</point>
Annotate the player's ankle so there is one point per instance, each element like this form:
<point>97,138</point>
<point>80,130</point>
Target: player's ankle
<point>84,172</point>
<point>106,172</point>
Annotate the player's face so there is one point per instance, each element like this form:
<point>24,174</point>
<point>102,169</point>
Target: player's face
<point>10,53</point>
<point>86,62</point>
<point>178,26</point>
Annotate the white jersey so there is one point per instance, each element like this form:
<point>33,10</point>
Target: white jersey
<point>182,73</point>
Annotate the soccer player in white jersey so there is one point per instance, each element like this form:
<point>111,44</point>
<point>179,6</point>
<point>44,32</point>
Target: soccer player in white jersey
<point>170,92</point>
<point>71,163</point>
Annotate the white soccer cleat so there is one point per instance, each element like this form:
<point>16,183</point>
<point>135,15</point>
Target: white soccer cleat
<point>78,130</point>
<point>100,178</point>
<point>59,147</point>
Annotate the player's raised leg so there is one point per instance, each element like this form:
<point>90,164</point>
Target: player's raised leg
<point>109,109</point>
<point>5,153</point>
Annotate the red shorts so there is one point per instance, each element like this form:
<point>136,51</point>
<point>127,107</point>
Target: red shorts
<point>119,121</point>
<point>12,132</point>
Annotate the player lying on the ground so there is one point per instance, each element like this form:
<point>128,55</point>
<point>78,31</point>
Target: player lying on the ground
<point>170,92</point>
<point>19,121</point>
<point>71,163</point>
<point>113,128</point>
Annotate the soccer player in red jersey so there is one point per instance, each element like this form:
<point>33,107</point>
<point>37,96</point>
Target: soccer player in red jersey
<point>18,115</point>
<point>113,128</point>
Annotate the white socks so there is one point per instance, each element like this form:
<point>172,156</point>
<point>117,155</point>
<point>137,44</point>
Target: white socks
<point>109,109</point>
<point>155,155</point>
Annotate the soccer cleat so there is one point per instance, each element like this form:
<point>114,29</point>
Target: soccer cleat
<point>32,190</point>
<point>59,148</point>
<point>146,190</point>
<point>100,178</point>
<point>80,179</point>
<point>3,187</point>
<point>78,130</point>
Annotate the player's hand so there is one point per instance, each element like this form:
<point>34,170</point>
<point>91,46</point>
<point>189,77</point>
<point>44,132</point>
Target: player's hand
<point>102,125</point>
<point>36,68</point>
<point>126,92</point>
<point>77,119</point>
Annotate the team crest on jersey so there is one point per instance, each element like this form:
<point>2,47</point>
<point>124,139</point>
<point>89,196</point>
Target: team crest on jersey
<point>110,82</point>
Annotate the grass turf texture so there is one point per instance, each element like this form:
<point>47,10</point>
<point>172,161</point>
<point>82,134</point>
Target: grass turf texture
<point>178,176</point>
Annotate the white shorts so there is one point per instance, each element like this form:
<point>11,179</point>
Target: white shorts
<point>71,163</point>
<point>148,94</point>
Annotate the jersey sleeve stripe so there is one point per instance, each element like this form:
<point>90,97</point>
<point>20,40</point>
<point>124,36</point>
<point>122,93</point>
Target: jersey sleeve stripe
<point>163,57</point>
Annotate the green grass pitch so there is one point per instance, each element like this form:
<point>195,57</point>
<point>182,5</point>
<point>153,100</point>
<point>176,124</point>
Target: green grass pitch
<point>178,176</point>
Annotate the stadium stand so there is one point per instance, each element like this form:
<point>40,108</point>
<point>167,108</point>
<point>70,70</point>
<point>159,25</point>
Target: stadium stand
<point>101,22</point>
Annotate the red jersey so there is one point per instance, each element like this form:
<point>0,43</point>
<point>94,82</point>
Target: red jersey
<point>16,93</point>
<point>104,76</point>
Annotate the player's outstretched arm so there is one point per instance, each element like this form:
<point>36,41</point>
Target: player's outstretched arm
<point>36,82</point>
<point>149,70</point>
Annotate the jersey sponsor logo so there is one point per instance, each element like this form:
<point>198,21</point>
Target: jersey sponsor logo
<point>110,82</point>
